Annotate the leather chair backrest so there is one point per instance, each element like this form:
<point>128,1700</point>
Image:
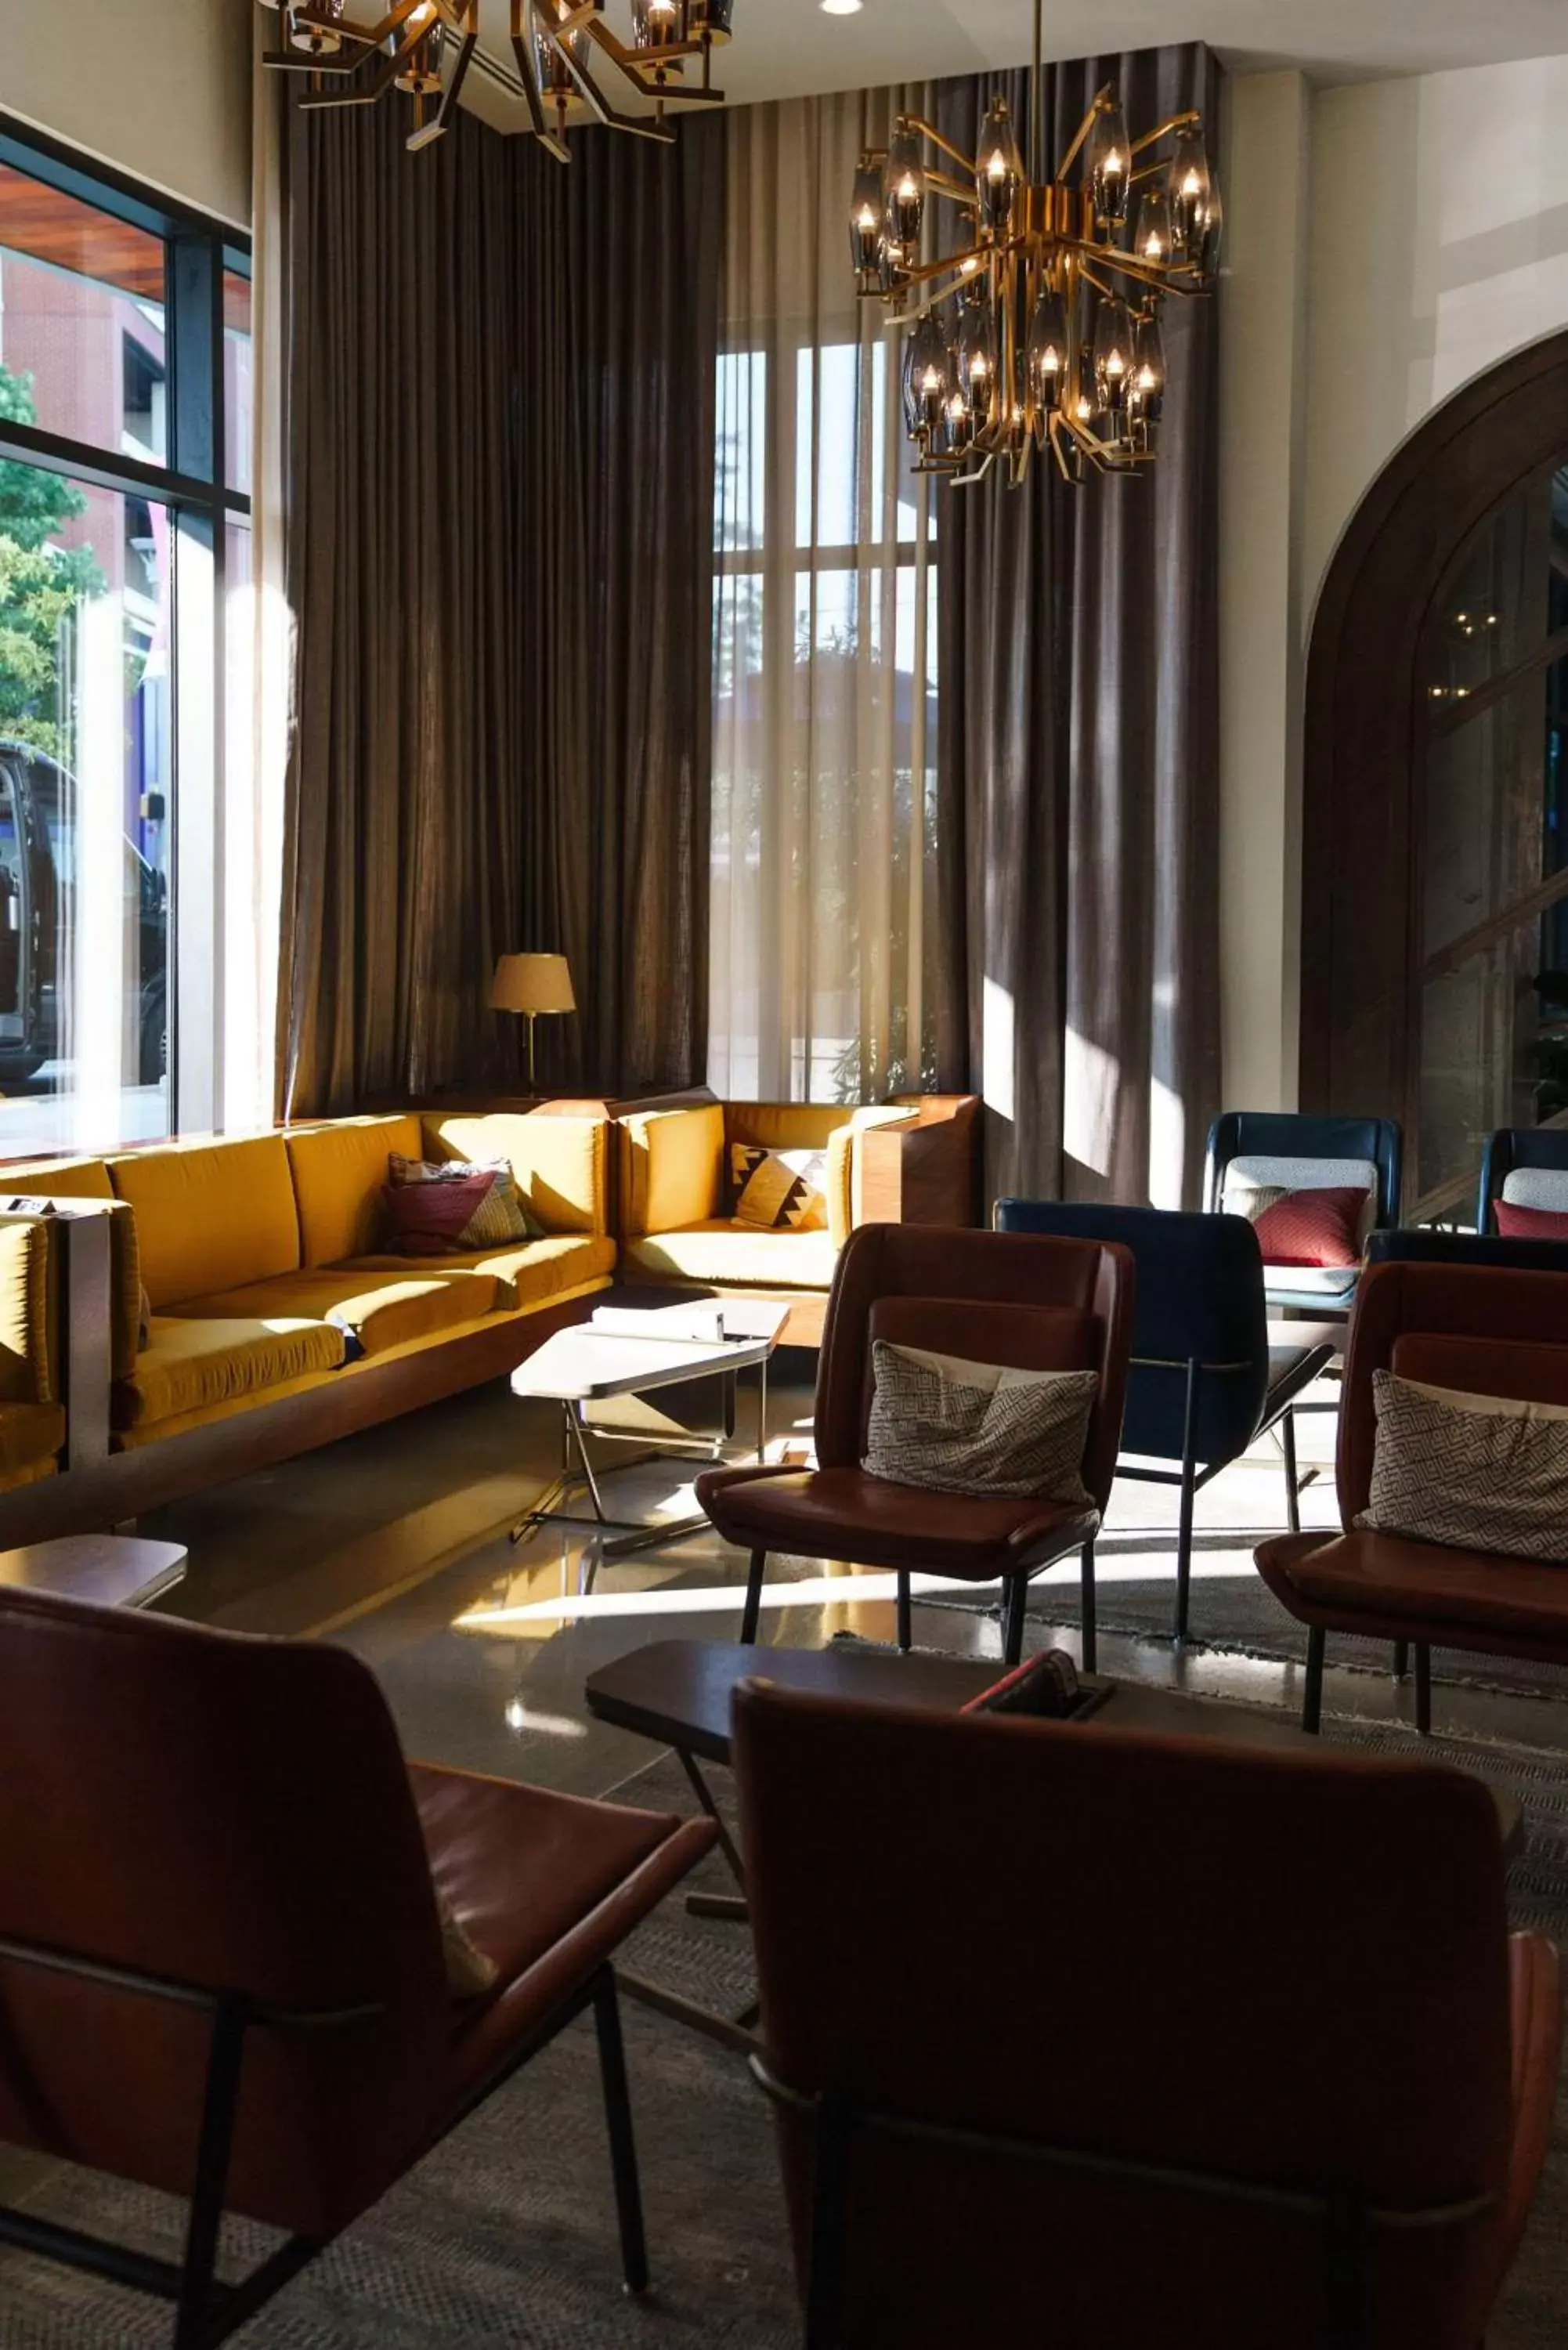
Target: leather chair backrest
<point>1199,1296</point>
<point>1481,1328</point>
<point>976,1288</point>
<point>1428,1244</point>
<point>1246,1134</point>
<point>1511,1148</point>
<point>231,1814</point>
<point>1283,1968</point>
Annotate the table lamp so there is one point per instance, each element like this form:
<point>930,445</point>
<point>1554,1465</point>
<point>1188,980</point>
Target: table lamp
<point>532,984</point>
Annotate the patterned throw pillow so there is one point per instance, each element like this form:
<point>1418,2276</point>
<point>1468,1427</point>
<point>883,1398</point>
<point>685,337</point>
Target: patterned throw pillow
<point>1474,1471</point>
<point>978,1428</point>
<point>443,1207</point>
<point>1517,1222</point>
<point>1302,1228</point>
<point>778,1191</point>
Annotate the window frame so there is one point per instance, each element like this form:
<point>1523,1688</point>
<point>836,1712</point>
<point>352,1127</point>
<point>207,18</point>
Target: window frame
<point>193,487</point>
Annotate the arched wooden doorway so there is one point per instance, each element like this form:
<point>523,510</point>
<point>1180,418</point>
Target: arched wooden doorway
<point>1435,813</point>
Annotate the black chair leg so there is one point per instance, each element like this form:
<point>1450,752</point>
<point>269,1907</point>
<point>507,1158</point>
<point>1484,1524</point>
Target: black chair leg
<point>193,2315</point>
<point>906,1613</point>
<point>1401,1658</point>
<point>1424,1687</point>
<point>1293,1483</point>
<point>1312,1703</point>
<point>1189,1487</point>
<point>623,2145</point>
<point>1087,1604</point>
<point>1013,1611</point>
<point>753,1609</point>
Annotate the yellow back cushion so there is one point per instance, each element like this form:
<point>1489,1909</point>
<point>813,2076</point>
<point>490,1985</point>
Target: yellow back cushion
<point>671,1168</point>
<point>784,1126</point>
<point>559,1163</point>
<point>59,1179</point>
<point>211,1215</point>
<point>338,1171</point>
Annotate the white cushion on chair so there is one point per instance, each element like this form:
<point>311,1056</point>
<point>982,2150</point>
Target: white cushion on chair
<point>1537,1187</point>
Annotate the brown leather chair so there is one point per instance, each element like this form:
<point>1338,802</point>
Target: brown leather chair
<point>220,1958</point>
<point>1468,1326</point>
<point>991,1298</point>
<point>1126,2042</point>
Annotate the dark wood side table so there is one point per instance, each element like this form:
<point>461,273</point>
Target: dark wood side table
<point>109,1570</point>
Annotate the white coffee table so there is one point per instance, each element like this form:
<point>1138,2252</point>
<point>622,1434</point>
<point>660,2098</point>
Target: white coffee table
<point>627,1351</point>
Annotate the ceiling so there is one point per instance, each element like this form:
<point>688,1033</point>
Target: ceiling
<point>784,48</point>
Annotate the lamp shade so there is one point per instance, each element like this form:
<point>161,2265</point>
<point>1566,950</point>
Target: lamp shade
<point>532,983</point>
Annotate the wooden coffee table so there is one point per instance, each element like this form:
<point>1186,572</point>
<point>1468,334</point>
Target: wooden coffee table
<point>107,1570</point>
<point>680,1692</point>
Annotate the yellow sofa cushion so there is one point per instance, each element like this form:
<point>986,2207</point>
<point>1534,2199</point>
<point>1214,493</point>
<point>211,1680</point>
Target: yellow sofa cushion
<point>210,1215</point>
<point>717,1254</point>
<point>27,1372</point>
<point>338,1171</point>
<point>559,1164</point>
<point>124,1256</point>
<point>65,1179</point>
<point>527,1275</point>
<point>672,1168</point>
<point>378,1311</point>
<point>31,1434</point>
<point>197,1361</point>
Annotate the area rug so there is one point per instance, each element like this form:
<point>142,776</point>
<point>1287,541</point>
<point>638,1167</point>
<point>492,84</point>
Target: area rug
<point>505,2238</point>
<point>1238,1615</point>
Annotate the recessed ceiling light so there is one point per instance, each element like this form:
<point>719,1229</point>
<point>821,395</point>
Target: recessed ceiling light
<point>840,8</point>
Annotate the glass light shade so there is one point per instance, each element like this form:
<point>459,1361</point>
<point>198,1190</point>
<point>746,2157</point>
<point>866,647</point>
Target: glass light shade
<point>655,23</point>
<point>866,219</point>
<point>1190,188</point>
<point>928,375</point>
<point>1213,230</point>
<point>420,77</point>
<point>904,189</point>
<point>974,355</point>
<point>1048,351</point>
<point>1151,233</point>
<point>715,17</point>
<point>551,66</point>
<point>1145,392</point>
<point>1113,355</point>
<point>316,40</point>
<point>1108,163</point>
<point>958,425</point>
<point>998,170</point>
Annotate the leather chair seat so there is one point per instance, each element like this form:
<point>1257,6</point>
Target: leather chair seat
<point>845,1514</point>
<point>1385,1579</point>
<point>545,1884</point>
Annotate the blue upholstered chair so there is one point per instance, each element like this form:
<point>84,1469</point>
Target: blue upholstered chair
<point>1528,1167</point>
<point>1204,1382</point>
<point>1305,1153</point>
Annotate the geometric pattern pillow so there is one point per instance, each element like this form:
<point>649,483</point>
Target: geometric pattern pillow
<point>778,1191</point>
<point>978,1428</point>
<point>1473,1471</point>
<point>443,1207</point>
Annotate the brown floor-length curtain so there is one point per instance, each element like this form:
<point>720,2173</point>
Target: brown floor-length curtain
<point>499,502</point>
<point>1077,964</point>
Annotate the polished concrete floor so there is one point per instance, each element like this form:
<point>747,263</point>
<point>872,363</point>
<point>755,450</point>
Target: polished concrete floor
<point>396,1543</point>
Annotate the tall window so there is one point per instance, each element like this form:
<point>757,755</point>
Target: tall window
<point>825,644</point>
<point>124,514</point>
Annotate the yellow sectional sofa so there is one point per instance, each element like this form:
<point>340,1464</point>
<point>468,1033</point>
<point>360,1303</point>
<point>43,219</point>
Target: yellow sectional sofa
<point>250,1310</point>
<point>911,1160</point>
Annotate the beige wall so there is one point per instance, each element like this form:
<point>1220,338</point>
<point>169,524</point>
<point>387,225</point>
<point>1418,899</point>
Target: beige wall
<point>1435,242</point>
<point>159,87</point>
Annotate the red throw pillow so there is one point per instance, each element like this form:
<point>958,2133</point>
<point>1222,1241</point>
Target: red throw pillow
<point>437,1219</point>
<point>1313,1228</point>
<point>1519,1223</point>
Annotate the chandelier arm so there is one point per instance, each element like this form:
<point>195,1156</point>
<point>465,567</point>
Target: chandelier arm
<point>1071,157</point>
<point>631,61</point>
<point>525,17</point>
<point>928,130</point>
<point>428,132</point>
<point>370,36</point>
<point>1062,465</point>
<point>367,92</point>
<point>1146,273</point>
<point>603,111</point>
<point>942,185</point>
<point>1190,120</point>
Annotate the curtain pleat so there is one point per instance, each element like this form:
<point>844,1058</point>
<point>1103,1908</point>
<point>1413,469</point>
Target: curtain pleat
<point>1079,695</point>
<point>500,492</point>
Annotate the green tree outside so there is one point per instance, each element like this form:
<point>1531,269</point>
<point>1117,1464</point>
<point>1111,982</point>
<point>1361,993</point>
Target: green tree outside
<point>40,584</point>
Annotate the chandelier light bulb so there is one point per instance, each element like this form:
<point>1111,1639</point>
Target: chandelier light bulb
<point>927,376</point>
<point>999,169</point>
<point>655,23</point>
<point>1190,190</point>
<point>1112,354</point>
<point>905,181</point>
<point>1106,162</point>
<point>1151,235</point>
<point>866,242</point>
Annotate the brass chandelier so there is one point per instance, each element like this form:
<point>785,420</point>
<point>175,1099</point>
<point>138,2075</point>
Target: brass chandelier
<point>1042,329</point>
<point>424,48</point>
